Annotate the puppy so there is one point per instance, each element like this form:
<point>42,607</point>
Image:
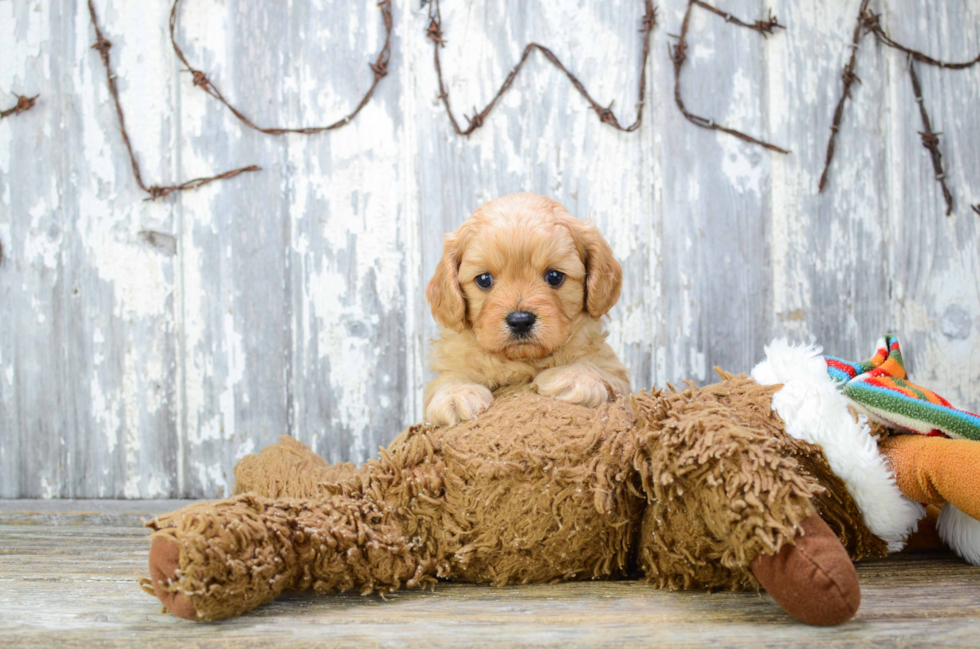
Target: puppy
<point>518,295</point>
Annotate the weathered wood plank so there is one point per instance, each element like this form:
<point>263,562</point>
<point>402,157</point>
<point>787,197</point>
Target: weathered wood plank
<point>33,327</point>
<point>934,263</point>
<point>144,347</point>
<point>294,303</point>
<point>235,283</point>
<point>92,381</point>
<point>119,275</point>
<point>714,230</point>
<point>349,255</point>
<point>830,275</point>
<point>70,577</point>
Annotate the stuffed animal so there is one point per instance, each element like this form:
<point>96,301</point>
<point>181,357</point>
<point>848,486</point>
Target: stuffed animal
<point>940,474</point>
<point>735,485</point>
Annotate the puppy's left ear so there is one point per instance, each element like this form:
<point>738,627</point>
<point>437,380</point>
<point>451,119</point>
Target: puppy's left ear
<point>604,275</point>
<point>443,292</point>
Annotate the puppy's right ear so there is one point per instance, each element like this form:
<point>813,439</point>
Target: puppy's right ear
<point>443,293</point>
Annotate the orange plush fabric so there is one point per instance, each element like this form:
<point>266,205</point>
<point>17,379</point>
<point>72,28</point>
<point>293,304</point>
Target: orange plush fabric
<point>935,470</point>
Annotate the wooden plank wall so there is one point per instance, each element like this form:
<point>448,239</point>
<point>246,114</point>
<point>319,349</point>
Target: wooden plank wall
<point>145,346</point>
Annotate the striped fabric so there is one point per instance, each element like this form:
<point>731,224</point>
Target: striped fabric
<point>879,387</point>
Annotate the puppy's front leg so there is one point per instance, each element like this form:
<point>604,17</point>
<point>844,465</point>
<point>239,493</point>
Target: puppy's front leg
<point>584,383</point>
<point>450,400</point>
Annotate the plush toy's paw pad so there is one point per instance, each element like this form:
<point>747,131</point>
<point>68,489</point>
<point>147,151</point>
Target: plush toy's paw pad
<point>814,580</point>
<point>581,384</point>
<point>459,402</point>
<point>164,564</point>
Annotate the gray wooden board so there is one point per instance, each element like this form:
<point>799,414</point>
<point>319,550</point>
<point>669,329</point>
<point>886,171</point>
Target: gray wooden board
<point>146,346</point>
<point>68,573</point>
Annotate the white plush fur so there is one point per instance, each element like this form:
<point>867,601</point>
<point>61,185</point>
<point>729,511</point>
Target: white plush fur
<point>961,532</point>
<point>814,411</point>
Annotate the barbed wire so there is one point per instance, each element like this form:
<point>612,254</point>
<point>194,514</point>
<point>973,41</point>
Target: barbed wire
<point>869,22</point>
<point>379,68</point>
<point>872,24</point>
<point>155,191</point>
<point>679,54</point>
<point>848,77</point>
<point>605,113</point>
<point>23,104</point>
<point>930,139</point>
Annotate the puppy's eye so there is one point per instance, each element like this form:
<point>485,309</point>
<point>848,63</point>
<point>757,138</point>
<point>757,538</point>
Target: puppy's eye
<point>554,278</point>
<point>484,280</point>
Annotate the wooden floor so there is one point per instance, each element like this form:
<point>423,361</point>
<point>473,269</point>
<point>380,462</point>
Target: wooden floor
<point>68,574</point>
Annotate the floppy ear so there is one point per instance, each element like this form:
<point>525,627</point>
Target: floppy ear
<point>443,292</point>
<point>603,274</point>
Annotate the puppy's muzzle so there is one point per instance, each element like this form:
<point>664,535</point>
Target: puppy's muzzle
<point>520,323</point>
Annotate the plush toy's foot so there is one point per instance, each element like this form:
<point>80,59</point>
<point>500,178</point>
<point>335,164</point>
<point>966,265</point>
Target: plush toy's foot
<point>164,564</point>
<point>814,580</point>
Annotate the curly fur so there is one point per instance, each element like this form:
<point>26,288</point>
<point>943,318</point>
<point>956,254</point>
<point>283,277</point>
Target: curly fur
<point>689,486</point>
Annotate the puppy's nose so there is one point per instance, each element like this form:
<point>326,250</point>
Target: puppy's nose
<point>520,322</point>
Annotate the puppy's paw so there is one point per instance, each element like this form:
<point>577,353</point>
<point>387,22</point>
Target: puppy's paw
<point>581,383</point>
<point>457,402</point>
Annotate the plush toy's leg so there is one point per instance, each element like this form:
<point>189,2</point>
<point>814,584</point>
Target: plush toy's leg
<point>219,559</point>
<point>729,506</point>
<point>934,470</point>
<point>813,580</point>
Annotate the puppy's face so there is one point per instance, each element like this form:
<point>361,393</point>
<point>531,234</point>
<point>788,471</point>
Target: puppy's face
<point>524,282</point>
<point>519,272</point>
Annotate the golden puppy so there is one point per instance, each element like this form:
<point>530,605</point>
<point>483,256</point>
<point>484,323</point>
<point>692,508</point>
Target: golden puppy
<point>518,294</point>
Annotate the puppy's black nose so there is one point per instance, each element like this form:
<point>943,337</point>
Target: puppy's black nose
<point>520,322</point>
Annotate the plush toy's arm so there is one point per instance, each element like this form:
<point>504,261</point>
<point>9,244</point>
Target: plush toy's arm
<point>289,469</point>
<point>934,470</point>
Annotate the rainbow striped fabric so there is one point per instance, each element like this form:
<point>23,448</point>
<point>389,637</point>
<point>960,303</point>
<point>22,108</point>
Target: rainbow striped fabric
<point>879,387</point>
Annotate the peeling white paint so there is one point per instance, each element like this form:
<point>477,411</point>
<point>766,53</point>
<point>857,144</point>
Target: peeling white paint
<point>741,162</point>
<point>235,355</point>
<point>213,479</point>
<point>105,415</point>
<point>39,244</point>
<point>246,448</point>
<point>131,421</point>
<point>48,490</point>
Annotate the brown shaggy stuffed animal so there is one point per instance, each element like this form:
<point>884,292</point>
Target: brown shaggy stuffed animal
<point>699,488</point>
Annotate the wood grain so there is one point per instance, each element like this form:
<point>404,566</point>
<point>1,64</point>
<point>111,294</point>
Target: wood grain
<point>68,576</point>
<point>145,347</point>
